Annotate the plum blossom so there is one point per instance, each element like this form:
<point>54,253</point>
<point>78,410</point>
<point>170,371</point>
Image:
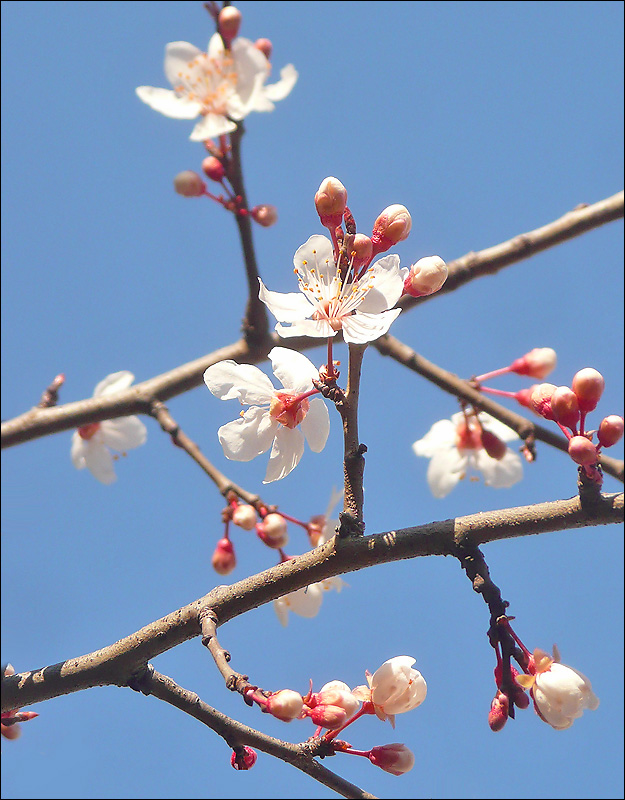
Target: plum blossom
<point>394,758</point>
<point>305,602</point>
<point>394,688</point>
<point>275,416</point>
<point>457,445</point>
<point>220,86</point>
<point>92,443</point>
<point>361,307</point>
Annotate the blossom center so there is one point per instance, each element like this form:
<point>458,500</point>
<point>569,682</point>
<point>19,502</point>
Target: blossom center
<point>288,409</point>
<point>467,437</point>
<point>209,81</point>
<point>89,430</point>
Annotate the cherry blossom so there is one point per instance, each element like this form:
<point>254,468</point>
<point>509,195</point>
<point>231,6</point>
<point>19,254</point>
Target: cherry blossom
<point>361,307</point>
<point>92,443</point>
<point>275,416</point>
<point>394,688</point>
<point>305,602</point>
<point>457,445</point>
<point>220,86</point>
<point>394,758</point>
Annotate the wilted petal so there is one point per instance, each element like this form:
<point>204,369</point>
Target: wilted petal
<point>316,425</point>
<point>249,435</point>
<point>168,103</point>
<point>287,450</point>
<point>123,433</point>
<point>228,380</point>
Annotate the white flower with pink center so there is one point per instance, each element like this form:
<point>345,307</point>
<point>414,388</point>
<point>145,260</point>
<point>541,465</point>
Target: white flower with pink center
<point>280,419</point>
<point>361,307</point>
<point>96,444</point>
<point>305,602</point>
<point>394,688</point>
<point>220,86</point>
<point>458,445</point>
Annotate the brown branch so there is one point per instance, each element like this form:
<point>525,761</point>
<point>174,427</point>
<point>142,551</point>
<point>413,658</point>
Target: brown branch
<point>113,665</point>
<point>489,261</point>
<point>136,400</point>
<point>300,756</point>
<point>390,346</point>
<point>352,522</point>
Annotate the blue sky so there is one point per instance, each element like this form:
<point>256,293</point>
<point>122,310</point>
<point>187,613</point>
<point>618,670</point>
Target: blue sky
<point>486,120</point>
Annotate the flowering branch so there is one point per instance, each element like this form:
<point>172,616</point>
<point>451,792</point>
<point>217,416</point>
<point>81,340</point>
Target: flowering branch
<point>115,664</point>
<point>352,522</point>
<point>528,431</point>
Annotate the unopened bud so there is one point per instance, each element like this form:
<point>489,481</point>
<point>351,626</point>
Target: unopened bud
<point>540,400</point>
<point>328,716</point>
<point>493,445</point>
<point>498,714</point>
<point>224,559</point>
<point>243,758</point>
<point>245,517</point>
<point>265,46</point>
<point>538,363</point>
<point>426,276</point>
<point>588,384</point>
<point>229,22</point>
<point>524,396</point>
<point>582,451</point>
<point>265,215</point>
<point>610,430</point>
<point>189,184</point>
<point>361,251</point>
<point>213,169</point>
<point>392,226</point>
<point>273,531</point>
<point>565,407</point>
<point>331,202</point>
<point>394,758</point>
<point>286,705</point>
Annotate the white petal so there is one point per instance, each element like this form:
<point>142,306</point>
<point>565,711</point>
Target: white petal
<point>294,371</point>
<point>178,57</point>
<point>387,287</point>
<point>500,430</point>
<point>445,470</point>
<point>211,126</point>
<point>441,434</point>
<point>124,433</point>
<point>316,425</point>
<point>116,382</point>
<point>362,328</point>
<point>502,473</point>
<point>252,70</point>
<point>282,611</point>
<point>280,89</point>
<point>287,450</point>
<point>231,381</point>
<point>305,602</point>
<point>168,103</point>
<point>215,47</point>
<point>307,327</point>
<point>77,452</point>
<point>315,253</point>
<point>99,461</point>
<point>290,307</point>
<point>249,435</point>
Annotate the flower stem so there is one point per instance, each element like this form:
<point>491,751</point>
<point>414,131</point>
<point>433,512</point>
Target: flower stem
<point>494,374</point>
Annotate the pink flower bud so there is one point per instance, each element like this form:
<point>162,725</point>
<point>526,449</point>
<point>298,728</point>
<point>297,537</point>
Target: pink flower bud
<point>426,276</point>
<point>331,202</point>
<point>610,430</point>
<point>189,184</point>
<point>243,758</point>
<point>273,531</point>
<point>523,396</point>
<point>362,250</point>
<point>213,169</point>
<point>498,714</point>
<point>224,559</point>
<point>538,363</point>
<point>582,451</point>
<point>332,705</point>
<point>286,705</point>
<point>394,758</point>
<point>565,407</point>
<point>265,47</point>
<point>328,716</point>
<point>245,517</point>
<point>392,226</point>
<point>493,445</point>
<point>588,385</point>
<point>540,400</point>
<point>266,215</point>
<point>229,22</point>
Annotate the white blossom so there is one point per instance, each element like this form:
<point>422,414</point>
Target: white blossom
<point>92,443</point>
<point>561,694</point>
<point>305,602</point>
<point>220,86</point>
<point>275,416</point>
<point>362,308</point>
<point>455,449</point>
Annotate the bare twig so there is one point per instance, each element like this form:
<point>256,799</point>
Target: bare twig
<point>113,665</point>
